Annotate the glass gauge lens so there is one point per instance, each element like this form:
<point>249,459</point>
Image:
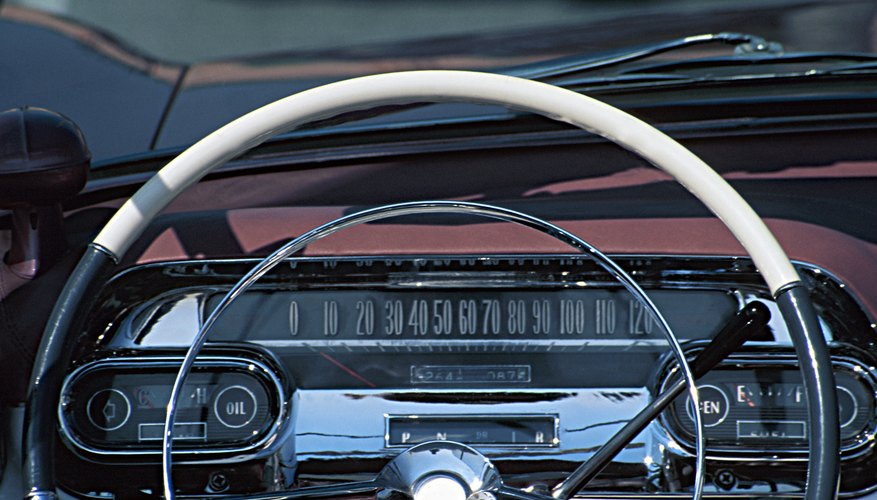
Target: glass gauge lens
<point>445,322</point>
<point>366,318</point>
<point>116,407</point>
<point>766,406</point>
<point>758,395</point>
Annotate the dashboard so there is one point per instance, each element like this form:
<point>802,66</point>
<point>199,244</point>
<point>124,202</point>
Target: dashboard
<point>331,366</point>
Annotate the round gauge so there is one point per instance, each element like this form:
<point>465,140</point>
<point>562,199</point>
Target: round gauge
<point>713,405</point>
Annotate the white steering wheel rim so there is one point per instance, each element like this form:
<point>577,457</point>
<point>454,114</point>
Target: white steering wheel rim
<point>445,86</point>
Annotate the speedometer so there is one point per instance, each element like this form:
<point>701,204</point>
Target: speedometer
<point>567,315</point>
<point>457,321</point>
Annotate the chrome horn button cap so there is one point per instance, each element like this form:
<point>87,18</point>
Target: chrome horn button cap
<point>439,470</point>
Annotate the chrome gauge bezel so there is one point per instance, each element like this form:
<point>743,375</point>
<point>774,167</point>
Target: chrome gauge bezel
<point>269,376</point>
<point>855,447</point>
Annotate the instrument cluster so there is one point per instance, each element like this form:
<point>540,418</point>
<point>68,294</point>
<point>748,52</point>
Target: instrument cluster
<point>330,367</point>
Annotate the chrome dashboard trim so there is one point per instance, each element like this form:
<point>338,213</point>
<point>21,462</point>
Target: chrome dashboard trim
<point>41,495</point>
<point>499,346</point>
<point>684,279</point>
<point>669,279</point>
<point>241,453</point>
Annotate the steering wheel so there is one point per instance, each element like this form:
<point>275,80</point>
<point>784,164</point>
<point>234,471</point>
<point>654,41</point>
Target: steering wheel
<point>334,99</point>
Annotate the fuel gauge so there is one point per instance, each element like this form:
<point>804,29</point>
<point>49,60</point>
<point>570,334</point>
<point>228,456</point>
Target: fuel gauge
<point>770,395</point>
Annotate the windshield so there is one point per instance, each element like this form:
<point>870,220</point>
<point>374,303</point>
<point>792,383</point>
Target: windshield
<point>154,77</point>
<point>189,31</point>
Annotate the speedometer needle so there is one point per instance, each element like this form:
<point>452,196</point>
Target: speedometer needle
<point>348,370</point>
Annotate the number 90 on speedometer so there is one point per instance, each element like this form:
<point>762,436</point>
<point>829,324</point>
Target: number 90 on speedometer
<point>556,315</point>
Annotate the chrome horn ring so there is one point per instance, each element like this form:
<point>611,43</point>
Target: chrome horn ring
<point>419,208</point>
